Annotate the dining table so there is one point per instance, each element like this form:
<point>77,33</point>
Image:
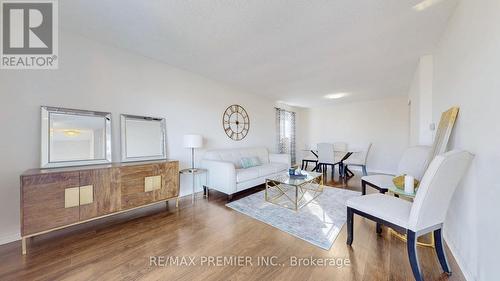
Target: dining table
<point>347,154</point>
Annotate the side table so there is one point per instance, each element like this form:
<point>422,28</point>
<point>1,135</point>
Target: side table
<point>194,172</point>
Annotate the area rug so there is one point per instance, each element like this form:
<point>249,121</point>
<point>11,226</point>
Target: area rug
<point>318,223</point>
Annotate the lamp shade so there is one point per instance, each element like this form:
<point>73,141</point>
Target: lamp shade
<point>193,141</point>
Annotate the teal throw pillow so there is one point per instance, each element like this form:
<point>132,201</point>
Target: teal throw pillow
<point>248,162</point>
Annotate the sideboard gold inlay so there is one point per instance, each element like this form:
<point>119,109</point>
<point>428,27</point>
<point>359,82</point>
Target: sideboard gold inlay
<point>71,197</point>
<point>86,194</point>
<point>152,183</point>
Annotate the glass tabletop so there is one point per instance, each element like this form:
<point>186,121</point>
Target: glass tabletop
<point>195,171</point>
<point>401,192</point>
<point>285,178</point>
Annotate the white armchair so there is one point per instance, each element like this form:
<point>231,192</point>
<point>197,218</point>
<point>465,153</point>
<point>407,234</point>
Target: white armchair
<point>412,163</point>
<point>226,174</point>
<point>427,212</point>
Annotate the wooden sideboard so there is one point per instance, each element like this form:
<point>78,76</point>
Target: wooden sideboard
<point>52,199</point>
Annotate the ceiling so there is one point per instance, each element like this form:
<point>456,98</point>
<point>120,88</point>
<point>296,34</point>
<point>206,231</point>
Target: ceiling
<point>292,51</point>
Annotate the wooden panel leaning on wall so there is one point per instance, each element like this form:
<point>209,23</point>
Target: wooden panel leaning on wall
<point>52,199</point>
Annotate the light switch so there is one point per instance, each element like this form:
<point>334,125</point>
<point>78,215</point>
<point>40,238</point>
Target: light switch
<point>86,194</point>
<point>71,197</point>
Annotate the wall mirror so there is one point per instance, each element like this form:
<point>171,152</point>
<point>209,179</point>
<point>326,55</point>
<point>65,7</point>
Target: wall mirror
<point>72,137</point>
<point>143,138</point>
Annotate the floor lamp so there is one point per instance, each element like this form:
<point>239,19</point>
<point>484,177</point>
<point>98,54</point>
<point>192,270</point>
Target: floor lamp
<point>193,141</point>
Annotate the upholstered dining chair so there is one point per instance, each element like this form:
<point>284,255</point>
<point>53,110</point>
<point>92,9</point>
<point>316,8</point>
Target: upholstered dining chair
<point>327,157</point>
<point>309,158</point>
<point>358,158</point>
<point>340,149</point>
<point>413,162</point>
<point>426,213</point>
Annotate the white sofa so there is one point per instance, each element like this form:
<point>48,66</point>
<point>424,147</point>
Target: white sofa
<point>226,175</point>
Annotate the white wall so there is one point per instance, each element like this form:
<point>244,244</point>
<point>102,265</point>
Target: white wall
<point>467,68</point>
<point>383,122</point>
<point>98,77</point>
<point>420,95</point>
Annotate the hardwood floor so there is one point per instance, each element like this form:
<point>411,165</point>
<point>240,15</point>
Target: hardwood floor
<point>120,247</point>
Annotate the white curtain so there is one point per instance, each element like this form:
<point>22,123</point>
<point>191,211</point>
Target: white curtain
<point>285,125</point>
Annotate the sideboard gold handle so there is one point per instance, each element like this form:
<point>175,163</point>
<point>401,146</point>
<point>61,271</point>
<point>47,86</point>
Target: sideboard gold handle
<point>71,197</point>
<point>152,183</point>
<point>86,194</point>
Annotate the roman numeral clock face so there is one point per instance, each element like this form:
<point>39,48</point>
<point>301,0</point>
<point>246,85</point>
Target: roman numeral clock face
<point>236,122</point>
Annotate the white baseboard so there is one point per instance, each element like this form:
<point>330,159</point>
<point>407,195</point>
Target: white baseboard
<point>458,258</point>
<point>9,237</point>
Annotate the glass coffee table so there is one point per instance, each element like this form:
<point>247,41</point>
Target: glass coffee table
<point>293,193</point>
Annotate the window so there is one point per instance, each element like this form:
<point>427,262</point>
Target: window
<point>285,125</point>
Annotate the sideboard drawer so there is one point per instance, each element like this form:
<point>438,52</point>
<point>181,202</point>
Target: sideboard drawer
<point>133,184</point>
<point>43,201</point>
<point>170,182</point>
<point>105,198</point>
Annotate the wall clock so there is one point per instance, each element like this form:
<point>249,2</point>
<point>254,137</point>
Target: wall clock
<point>236,122</point>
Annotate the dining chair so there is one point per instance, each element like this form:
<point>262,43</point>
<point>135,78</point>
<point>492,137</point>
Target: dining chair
<point>358,158</point>
<point>327,157</point>
<point>309,157</point>
<point>306,161</point>
<point>427,212</point>
<point>340,150</point>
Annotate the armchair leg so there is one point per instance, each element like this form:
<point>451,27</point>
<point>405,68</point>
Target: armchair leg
<point>350,226</point>
<point>438,242</point>
<point>412,255</point>
<point>363,187</point>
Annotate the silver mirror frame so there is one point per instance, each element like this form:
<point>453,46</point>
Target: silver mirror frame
<point>123,131</point>
<point>45,135</point>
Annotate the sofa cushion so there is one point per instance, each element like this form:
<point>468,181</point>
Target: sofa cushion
<point>266,169</point>
<point>388,208</point>
<point>234,155</point>
<point>247,174</point>
<point>271,168</point>
<point>243,175</point>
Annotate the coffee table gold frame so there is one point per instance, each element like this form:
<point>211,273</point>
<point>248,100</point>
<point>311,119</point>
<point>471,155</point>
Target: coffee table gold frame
<point>314,185</point>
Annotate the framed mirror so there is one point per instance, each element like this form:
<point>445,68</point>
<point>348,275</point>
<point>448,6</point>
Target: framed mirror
<point>143,138</point>
<point>72,137</point>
